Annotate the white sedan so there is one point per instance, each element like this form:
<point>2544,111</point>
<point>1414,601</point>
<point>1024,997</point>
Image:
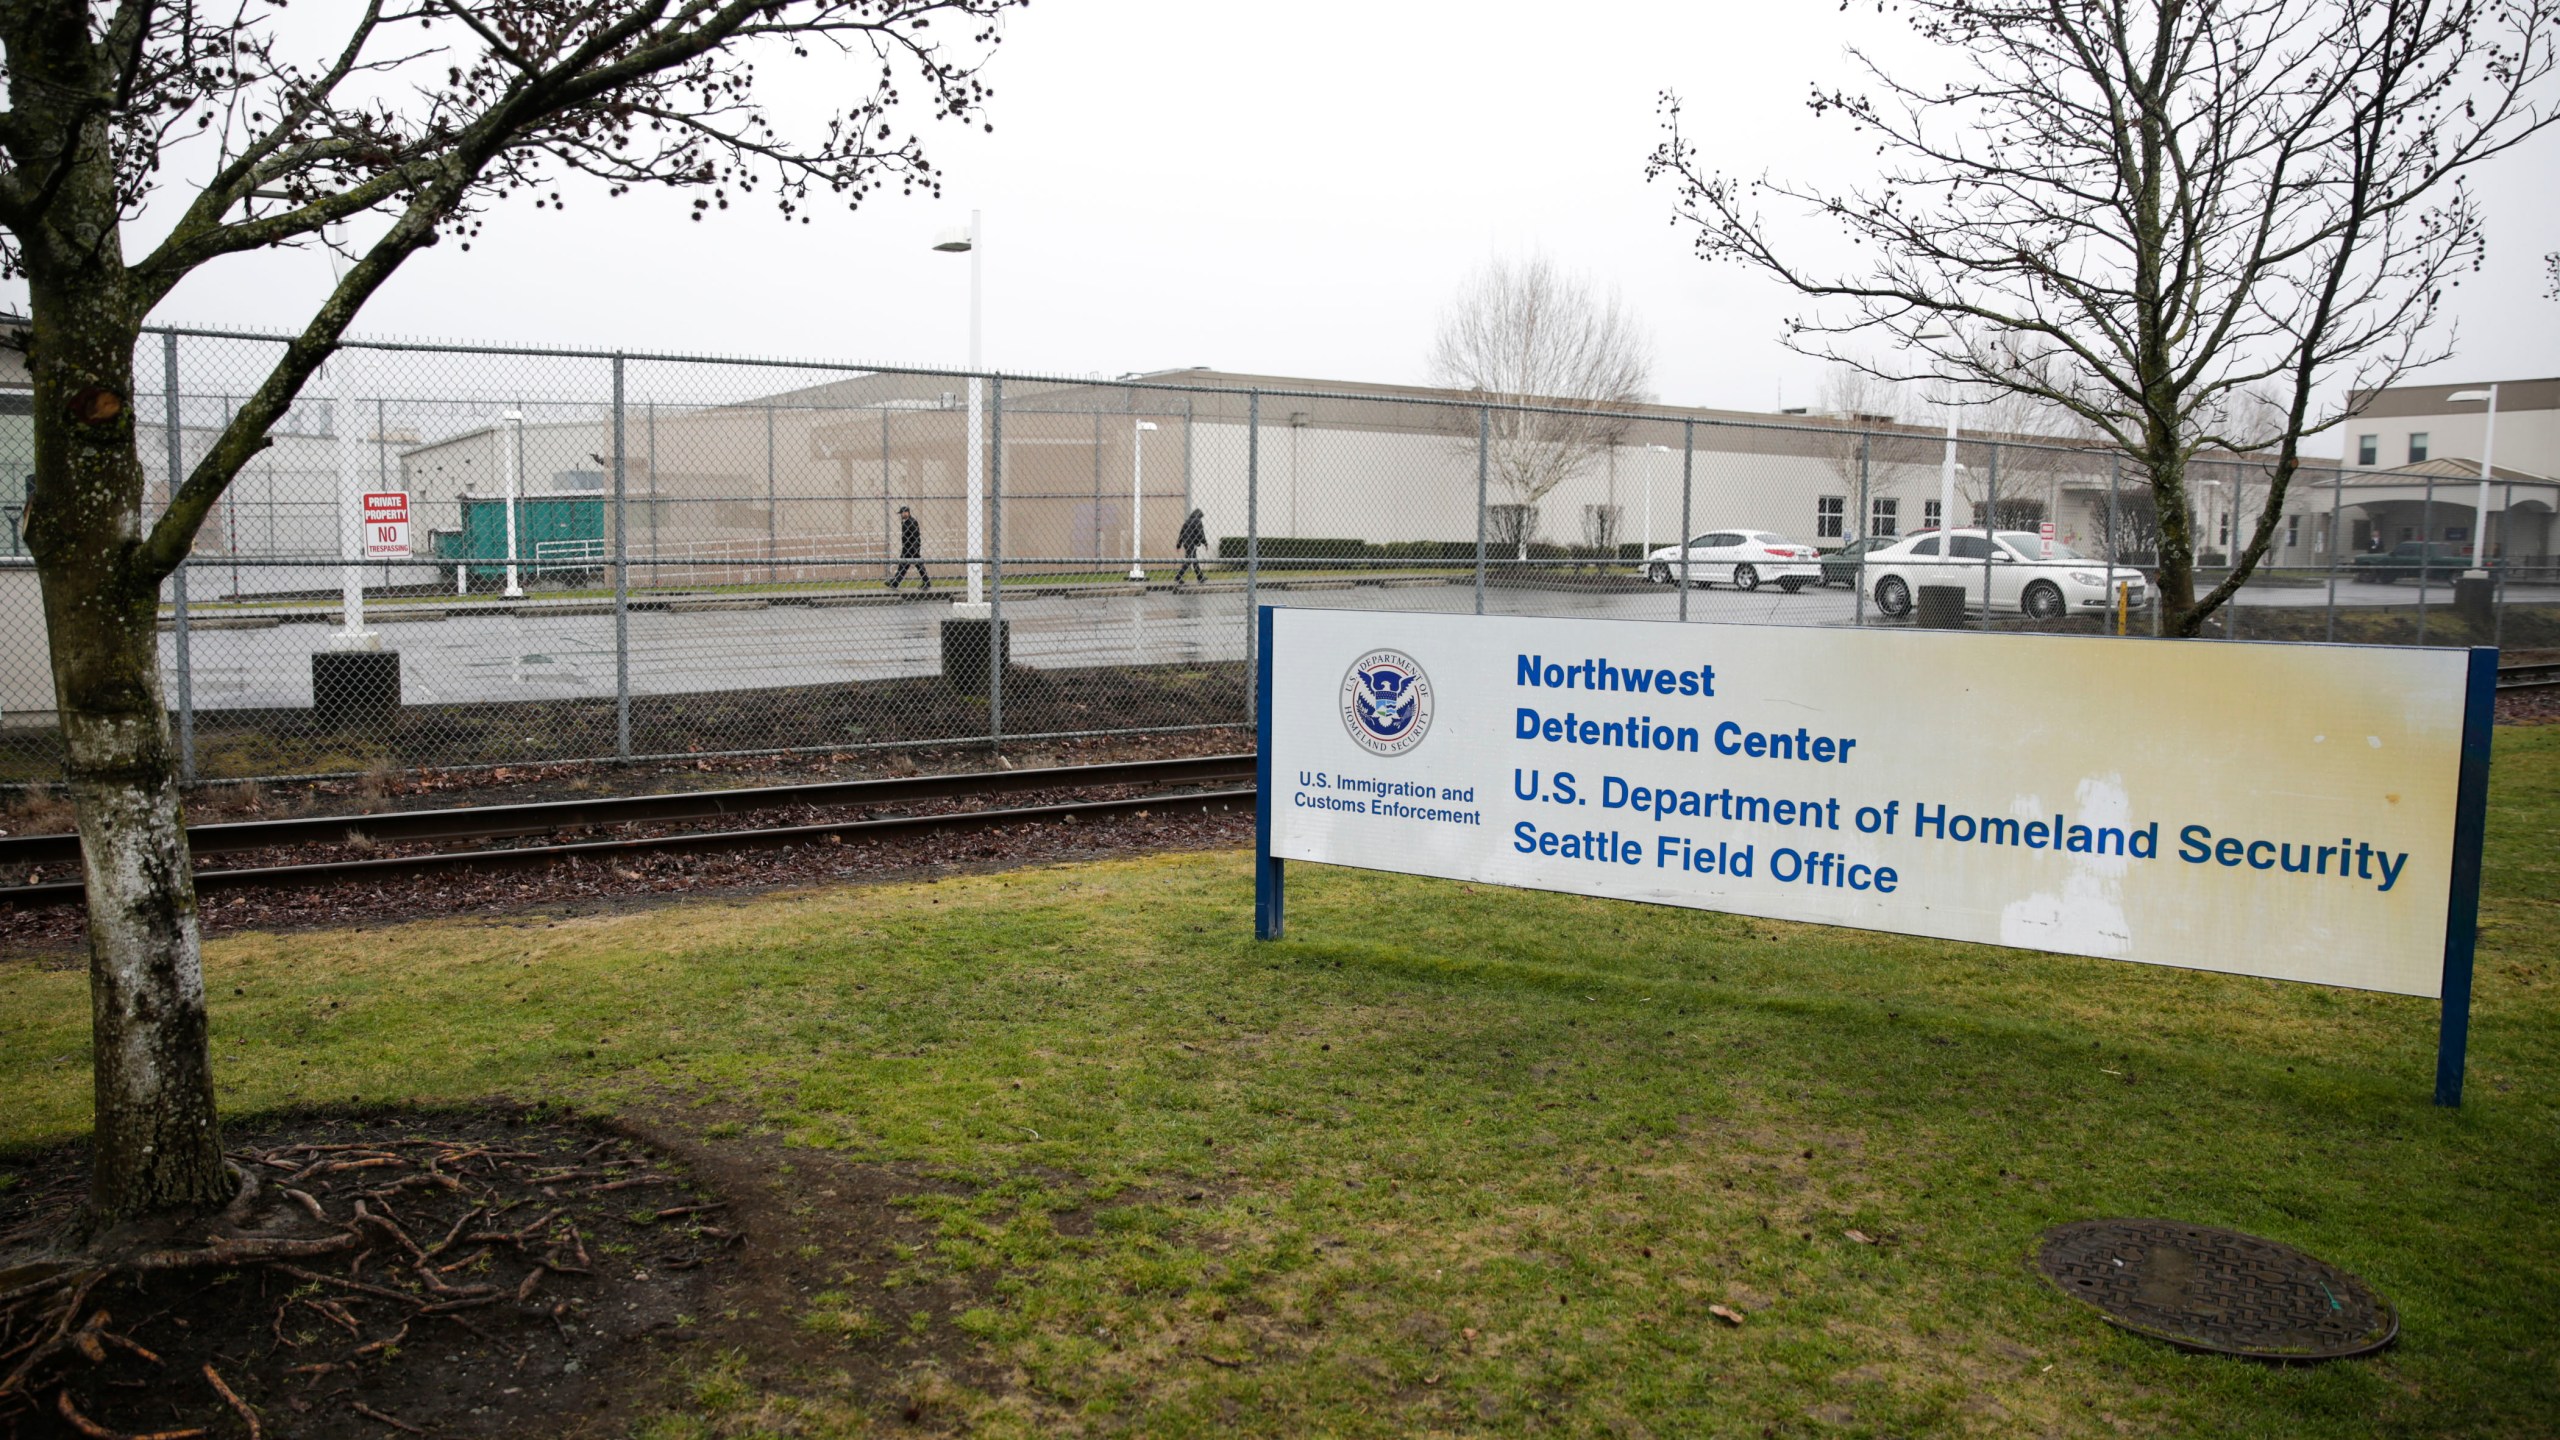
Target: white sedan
<point>1740,558</point>
<point>2016,569</point>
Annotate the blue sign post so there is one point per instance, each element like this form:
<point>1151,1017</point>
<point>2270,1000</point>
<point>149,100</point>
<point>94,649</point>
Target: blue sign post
<point>2470,834</point>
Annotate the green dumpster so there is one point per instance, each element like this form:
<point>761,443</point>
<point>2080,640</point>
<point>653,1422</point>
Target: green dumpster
<point>556,535</point>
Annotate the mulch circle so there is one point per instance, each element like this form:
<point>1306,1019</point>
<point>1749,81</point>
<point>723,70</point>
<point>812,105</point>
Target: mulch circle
<point>2202,1287</point>
<point>446,1273</point>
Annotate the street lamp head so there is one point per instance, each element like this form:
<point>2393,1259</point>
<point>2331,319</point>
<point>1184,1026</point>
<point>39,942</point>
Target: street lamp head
<point>957,240</point>
<point>2472,396</point>
<point>1146,424</point>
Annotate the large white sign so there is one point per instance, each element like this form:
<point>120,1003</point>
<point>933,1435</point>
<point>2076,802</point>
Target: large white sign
<point>2279,810</point>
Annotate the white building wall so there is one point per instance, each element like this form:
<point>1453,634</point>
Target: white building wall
<point>2527,440</point>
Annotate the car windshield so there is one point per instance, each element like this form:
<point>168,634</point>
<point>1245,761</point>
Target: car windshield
<point>2030,546</point>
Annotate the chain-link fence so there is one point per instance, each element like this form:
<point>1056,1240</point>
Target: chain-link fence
<point>627,556</point>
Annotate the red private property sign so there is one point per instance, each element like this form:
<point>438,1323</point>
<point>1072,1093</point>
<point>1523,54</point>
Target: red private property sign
<point>386,525</point>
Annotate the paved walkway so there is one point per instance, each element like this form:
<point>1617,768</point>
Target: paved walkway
<point>543,654</point>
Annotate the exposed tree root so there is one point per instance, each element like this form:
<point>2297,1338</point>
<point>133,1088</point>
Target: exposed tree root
<point>349,1210</point>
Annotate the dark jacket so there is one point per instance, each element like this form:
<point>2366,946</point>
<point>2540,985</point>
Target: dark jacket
<point>910,538</point>
<point>1194,534</point>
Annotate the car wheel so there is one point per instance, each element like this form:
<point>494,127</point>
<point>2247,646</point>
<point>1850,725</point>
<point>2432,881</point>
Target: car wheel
<point>1745,578</point>
<point>1790,584</point>
<point>1659,575</point>
<point>2044,601</point>
<point>1892,596</point>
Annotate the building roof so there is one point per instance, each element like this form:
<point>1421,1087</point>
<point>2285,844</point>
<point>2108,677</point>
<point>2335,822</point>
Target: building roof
<point>2401,400</point>
<point>2448,468</point>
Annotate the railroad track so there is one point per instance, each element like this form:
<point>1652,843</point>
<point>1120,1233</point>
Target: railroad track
<point>2542,676</point>
<point>1170,786</point>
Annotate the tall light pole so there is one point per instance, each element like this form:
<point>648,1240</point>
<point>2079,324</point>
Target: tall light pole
<point>1137,494</point>
<point>1947,488</point>
<point>350,460</point>
<point>1644,546</point>
<point>1948,467</point>
<point>513,438</point>
<point>972,243</point>
<point>2488,446</point>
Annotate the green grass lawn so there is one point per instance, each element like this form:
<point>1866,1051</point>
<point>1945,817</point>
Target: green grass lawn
<point>1467,1161</point>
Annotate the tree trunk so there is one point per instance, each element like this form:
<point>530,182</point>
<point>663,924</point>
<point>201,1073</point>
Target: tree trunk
<point>156,1146</point>
<point>2177,548</point>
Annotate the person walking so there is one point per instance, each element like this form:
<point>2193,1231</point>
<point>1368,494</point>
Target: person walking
<point>1194,535</point>
<point>910,551</point>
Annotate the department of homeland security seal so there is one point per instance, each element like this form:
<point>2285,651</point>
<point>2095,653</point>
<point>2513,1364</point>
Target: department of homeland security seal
<point>1386,702</point>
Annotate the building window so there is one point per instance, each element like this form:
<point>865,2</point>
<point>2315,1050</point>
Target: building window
<point>2222,529</point>
<point>1830,513</point>
<point>1929,516</point>
<point>2368,449</point>
<point>1884,520</point>
<point>2417,446</point>
<point>2292,531</point>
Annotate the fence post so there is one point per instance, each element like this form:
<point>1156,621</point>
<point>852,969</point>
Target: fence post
<point>1484,436</point>
<point>2426,557</point>
<point>657,500</point>
<point>621,580</point>
<point>995,560</point>
<point>2115,538</point>
<point>178,577</point>
<point>1990,528</point>
<point>1688,462</point>
<point>888,525</point>
<point>2337,495</point>
<point>1186,456</point>
<point>2231,553</point>
<point>381,464</point>
<point>2498,577</point>
<point>772,527</point>
<point>1252,545</point>
<point>1866,523</point>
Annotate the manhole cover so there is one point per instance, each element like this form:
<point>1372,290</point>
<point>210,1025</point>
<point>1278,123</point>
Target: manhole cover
<point>2201,1287</point>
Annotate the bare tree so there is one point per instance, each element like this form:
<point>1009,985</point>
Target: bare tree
<point>228,132</point>
<point>1856,403</point>
<point>2140,210</point>
<point>1525,335</point>
<point>2034,448</point>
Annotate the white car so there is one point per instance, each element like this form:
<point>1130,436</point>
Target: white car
<point>2018,569</point>
<point>1740,558</point>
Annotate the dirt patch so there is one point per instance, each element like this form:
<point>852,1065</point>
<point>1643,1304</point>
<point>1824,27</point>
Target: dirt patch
<point>685,1242</point>
<point>459,1274</point>
<point>832,1279</point>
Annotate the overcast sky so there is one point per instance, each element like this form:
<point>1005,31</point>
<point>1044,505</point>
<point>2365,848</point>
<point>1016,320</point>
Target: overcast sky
<point>1286,189</point>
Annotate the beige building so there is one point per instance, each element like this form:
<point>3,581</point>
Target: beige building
<point>821,470</point>
<point>2412,471</point>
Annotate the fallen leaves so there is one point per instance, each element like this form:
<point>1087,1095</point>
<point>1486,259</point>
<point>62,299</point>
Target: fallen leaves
<point>1726,1313</point>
